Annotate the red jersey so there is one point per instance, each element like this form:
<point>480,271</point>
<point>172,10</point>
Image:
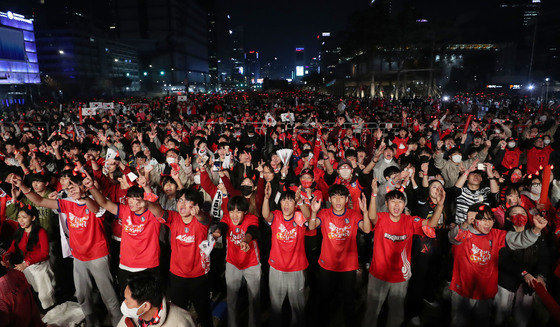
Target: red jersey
<point>339,250</point>
<point>511,158</point>
<point>287,251</point>
<point>86,233</point>
<point>401,145</point>
<point>537,158</point>
<point>392,244</point>
<point>235,234</point>
<point>140,238</point>
<point>475,265</point>
<point>187,259</point>
<point>39,252</point>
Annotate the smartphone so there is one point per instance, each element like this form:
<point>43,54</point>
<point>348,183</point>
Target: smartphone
<point>481,166</point>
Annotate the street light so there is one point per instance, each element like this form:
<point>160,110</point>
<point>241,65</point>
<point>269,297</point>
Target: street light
<point>145,73</point>
<point>61,52</point>
<point>162,73</point>
<point>530,87</point>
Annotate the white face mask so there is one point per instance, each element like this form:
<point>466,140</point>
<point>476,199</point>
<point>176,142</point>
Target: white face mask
<point>170,160</point>
<point>536,189</point>
<point>511,144</point>
<point>546,141</point>
<point>456,158</point>
<point>345,173</point>
<point>130,312</point>
<point>497,131</point>
<point>197,179</point>
<point>388,160</point>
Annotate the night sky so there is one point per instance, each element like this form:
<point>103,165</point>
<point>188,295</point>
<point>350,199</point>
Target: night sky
<point>275,28</point>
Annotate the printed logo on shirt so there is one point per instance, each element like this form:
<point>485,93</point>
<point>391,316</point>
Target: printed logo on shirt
<point>395,238</point>
<point>285,234</point>
<point>479,256</point>
<point>186,239</point>
<point>338,233</point>
<point>77,222</point>
<point>133,230</point>
<point>407,273</point>
<point>237,237</point>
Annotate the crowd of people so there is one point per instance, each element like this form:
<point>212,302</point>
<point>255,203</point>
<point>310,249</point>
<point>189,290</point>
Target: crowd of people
<point>298,208</point>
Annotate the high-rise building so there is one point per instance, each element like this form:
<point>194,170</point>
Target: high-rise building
<point>253,67</point>
<point>18,57</point>
<point>329,51</point>
<point>171,37</point>
<point>238,54</point>
<point>299,63</point>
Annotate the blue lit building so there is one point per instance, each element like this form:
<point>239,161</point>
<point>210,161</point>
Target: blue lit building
<point>19,67</point>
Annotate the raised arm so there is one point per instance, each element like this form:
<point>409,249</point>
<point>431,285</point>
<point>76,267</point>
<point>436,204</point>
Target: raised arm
<point>365,224</point>
<point>100,198</point>
<point>372,211</point>
<point>433,221</point>
<point>313,221</point>
<point>34,197</point>
<point>267,215</point>
<point>463,178</point>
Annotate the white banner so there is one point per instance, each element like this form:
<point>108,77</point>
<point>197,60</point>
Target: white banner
<point>89,111</point>
<point>181,98</point>
<point>96,104</point>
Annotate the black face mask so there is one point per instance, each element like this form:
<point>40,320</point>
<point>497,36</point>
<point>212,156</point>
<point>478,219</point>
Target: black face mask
<point>246,190</point>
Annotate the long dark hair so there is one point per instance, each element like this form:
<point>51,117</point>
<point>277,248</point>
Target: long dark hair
<point>34,234</point>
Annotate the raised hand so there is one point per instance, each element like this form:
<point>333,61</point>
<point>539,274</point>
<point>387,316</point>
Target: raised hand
<point>195,210</point>
<point>315,205</point>
<point>374,187</point>
<point>539,222</point>
<point>142,181</point>
<point>267,191</point>
<point>473,166</point>
<point>363,203</point>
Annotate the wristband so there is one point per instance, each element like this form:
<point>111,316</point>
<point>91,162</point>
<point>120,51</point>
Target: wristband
<point>373,195</point>
<point>492,178</point>
<point>523,273</point>
<point>28,191</point>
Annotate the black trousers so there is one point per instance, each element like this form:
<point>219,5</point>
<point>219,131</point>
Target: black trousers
<point>195,290</point>
<point>336,287</point>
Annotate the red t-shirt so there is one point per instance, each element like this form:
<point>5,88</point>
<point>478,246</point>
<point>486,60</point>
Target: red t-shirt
<point>475,265</point>
<point>392,244</point>
<point>86,235</point>
<point>339,250</point>
<point>287,251</point>
<point>187,259</point>
<point>537,158</point>
<point>39,252</point>
<point>139,238</point>
<point>236,234</point>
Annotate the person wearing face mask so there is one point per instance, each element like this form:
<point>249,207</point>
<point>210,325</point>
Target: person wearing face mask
<point>88,244</point>
<point>476,249</point>
<point>517,270</point>
<point>507,156</point>
<point>451,168</point>
<point>344,175</point>
<point>173,160</point>
<point>242,260</point>
<point>511,198</point>
<point>530,199</point>
<point>145,305</point>
<point>538,155</point>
